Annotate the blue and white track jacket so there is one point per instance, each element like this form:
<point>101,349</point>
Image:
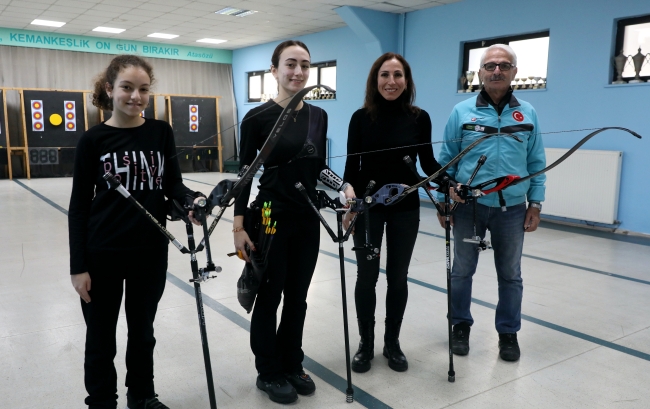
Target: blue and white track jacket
<point>474,118</point>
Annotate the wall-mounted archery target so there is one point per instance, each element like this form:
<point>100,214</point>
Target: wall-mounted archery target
<point>63,121</point>
<point>56,119</point>
<point>70,116</point>
<point>194,118</point>
<point>37,115</point>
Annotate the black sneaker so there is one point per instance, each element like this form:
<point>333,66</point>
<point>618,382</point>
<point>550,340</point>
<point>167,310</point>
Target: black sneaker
<point>150,403</point>
<point>460,339</point>
<point>302,382</point>
<point>279,390</point>
<point>509,347</point>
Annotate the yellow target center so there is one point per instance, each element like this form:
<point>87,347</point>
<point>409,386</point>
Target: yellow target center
<point>55,119</point>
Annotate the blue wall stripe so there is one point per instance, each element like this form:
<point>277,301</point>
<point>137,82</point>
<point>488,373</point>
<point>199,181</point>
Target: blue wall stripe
<point>337,381</point>
<point>40,196</point>
<point>550,325</point>
<point>561,263</point>
<point>340,383</point>
<point>360,396</point>
<point>582,230</point>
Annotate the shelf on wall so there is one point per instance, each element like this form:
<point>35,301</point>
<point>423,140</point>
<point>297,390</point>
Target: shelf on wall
<point>516,91</point>
<point>636,84</point>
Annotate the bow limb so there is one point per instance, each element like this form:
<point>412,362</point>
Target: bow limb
<point>571,151</point>
<point>504,182</point>
<point>269,145</point>
<point>225,193</point>
<point>452,162</point>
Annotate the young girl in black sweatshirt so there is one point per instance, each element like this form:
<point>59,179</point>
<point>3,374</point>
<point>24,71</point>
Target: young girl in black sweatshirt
<point>114,249</point>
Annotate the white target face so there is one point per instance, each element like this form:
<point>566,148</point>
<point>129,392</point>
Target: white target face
<point>194,118</point>
<point>38,124</point>
<point>70,116</point>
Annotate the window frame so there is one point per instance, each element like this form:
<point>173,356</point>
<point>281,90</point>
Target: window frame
<point>319,65</point>
<point>620,40</point>
<point>470,45</point>
<point>324,64</point>
<point>250,74</point>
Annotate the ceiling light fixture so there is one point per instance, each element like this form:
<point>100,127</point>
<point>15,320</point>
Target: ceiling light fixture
<point>162,35</point>
<point>109,30</point>
<point>232,11</point>
<point>211,41</point>
<point>48,23</point>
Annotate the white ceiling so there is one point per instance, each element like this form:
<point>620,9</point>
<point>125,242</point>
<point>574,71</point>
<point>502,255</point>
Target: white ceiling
<point>193,20</point>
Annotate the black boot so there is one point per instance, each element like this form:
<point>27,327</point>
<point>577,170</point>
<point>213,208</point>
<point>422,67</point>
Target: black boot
<point>366,351</point>
<point>396,359</point>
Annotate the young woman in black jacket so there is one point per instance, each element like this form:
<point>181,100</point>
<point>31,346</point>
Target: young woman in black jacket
<point>299,156</point>
<point>113,248</point>
<point>388,127</point>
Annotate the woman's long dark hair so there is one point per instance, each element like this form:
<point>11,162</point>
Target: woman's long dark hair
<point>373,97</point>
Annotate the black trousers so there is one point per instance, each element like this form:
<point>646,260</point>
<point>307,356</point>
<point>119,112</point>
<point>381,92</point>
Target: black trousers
<point>291,264</point>
<point>141,277</point>
<point>401,233</point>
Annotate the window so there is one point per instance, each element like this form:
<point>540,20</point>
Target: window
<point>633,34</point>
<point>532,60</point>
<point>262,86</point>
<point>323,73</point>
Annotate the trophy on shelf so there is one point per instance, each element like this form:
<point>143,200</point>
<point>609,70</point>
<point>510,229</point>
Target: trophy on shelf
<point>638,59</point>
<point>536,86</point>
<point>543,84</point>
<point>480,83</point>
<point>531,77</point>
<point>463,80</point>
<point>620,61</point>
<point>470,78</point>
<point>516,86</point>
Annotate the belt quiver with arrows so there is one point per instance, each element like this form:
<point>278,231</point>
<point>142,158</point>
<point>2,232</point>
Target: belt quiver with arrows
<point>260,229</point>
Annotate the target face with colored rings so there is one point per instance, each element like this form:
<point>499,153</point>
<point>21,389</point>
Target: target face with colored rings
<point>194,118</point>
<point>70,125</point>
<point>193,127</point>
<point>38,125</point>
<point>70,115</point>
<point>37,115</point>
<point>69,105</point>
<point>193,109</point>
<point>36,105</point>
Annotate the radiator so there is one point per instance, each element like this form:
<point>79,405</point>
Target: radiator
<point>585,186</point>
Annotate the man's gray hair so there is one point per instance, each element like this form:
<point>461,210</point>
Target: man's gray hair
<point>504,47</point>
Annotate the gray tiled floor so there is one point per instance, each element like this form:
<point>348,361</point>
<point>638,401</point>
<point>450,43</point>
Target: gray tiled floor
<point>585,338</point>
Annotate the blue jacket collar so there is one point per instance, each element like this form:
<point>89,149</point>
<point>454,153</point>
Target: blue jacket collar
<point>483,100</point>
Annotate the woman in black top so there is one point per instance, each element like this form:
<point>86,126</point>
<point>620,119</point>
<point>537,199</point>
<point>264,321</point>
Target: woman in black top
<point>111,244</point>
<point>390,124</point>
<point>299,156</point>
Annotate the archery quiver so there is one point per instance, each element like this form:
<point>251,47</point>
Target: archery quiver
<point>257,224</point>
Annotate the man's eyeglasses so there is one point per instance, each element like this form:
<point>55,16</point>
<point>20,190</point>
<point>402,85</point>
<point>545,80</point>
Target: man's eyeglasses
<point>504,66</point>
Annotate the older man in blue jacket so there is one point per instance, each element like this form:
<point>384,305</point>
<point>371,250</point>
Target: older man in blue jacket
<point>494,109</point>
